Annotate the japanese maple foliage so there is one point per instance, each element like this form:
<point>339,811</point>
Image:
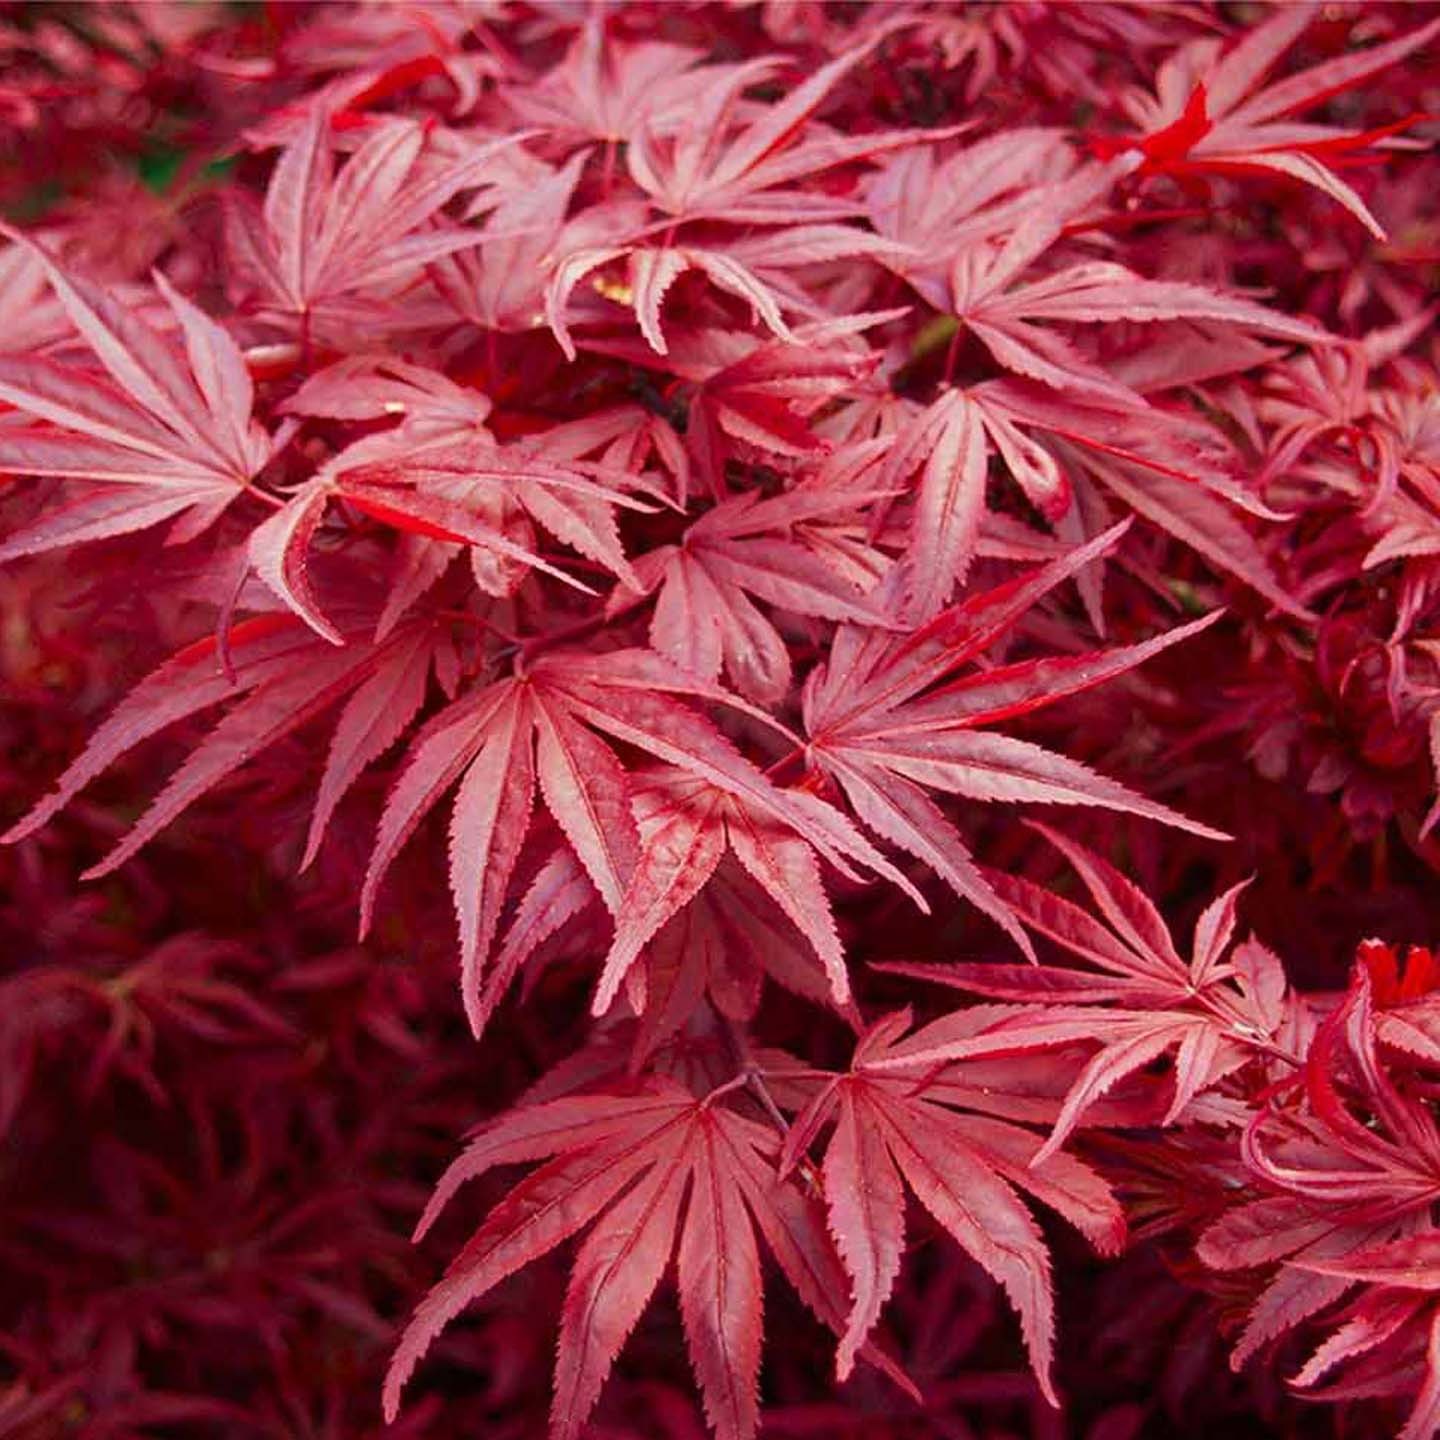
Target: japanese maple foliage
<point>818,622</point>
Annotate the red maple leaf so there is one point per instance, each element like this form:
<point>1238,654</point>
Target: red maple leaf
<point>965,1168</point>
<point>153,431</point>
<point>538,728</point>
<point>1213,113</point>
<point>1141,1000</point>
<point>653,1170</point>
<point>1351,1164</point>
<point>887,721</point>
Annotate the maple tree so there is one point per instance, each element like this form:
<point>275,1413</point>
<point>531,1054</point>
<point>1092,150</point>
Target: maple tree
<point>820,623</point>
